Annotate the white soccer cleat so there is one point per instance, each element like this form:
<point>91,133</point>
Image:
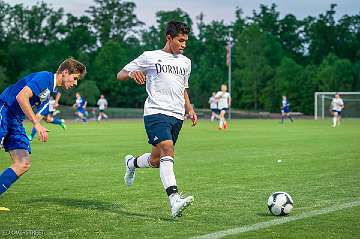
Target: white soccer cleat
<point>129,176</point>
<point>179,204</point>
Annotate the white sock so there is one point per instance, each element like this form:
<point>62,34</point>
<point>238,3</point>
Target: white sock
<point>334,121</point>
<point>167,172</point>
<point>143,161</point>
<point>221,124</point>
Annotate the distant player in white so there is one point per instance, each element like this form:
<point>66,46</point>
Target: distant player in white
<point>166,73</point>
<point>337,105</point>
<point>213,107</point>
<point>224,101</point>
<point>103,104</point>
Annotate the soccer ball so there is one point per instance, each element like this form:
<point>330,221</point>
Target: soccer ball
<point>280,203</point>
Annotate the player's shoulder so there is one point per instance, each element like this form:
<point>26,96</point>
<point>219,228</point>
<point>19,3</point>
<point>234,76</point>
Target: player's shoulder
<point>43,74</point>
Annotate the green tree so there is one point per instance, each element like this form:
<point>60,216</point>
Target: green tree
<point>257,54</point>
<point>335,74</point>
<point>113,19</point>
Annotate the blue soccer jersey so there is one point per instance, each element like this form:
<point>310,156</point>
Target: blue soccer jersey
<point>12,132</point>
<point>42,84</point>
<point>80,103</point>
<point>285,106</point>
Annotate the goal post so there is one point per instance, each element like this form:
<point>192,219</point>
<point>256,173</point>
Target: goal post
<point>322,102</point>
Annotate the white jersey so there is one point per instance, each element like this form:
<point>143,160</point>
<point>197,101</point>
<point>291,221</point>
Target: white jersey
<point>213,102</point>
<point>102,103</point>
<point>51,105</point>
<point>167,76</point>
<point>337,104</point>
<point>223,99</point>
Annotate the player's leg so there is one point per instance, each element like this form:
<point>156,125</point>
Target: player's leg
<point>32,135</point>
<point>338,118</point>
<point>290,117</point>
<point>222,119</point>
<point>335,115</point>
<point>146,160</point>
<point>282,116</point>
<point>20,165</point>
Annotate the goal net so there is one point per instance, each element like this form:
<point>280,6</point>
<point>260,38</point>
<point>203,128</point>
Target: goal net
<point>322,104</point>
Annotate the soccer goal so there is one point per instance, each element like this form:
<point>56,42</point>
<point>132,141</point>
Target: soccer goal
<point>323,101</point>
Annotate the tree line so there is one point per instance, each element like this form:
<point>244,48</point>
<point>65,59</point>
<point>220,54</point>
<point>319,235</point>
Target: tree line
<point>271,55</point>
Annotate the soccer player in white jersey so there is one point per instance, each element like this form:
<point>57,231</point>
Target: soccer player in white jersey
<point>337,105</point>
<point>224,101</point>
<point>166,73</point>
<point>103,104</point>
<point>213,107</point>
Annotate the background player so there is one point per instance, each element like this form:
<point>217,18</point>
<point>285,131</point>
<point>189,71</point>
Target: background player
<point>46,111</point>
<point>80,105</point>
<point>166,73</point>
<point>337,105</point>
<point>224,102</point>
<point>17,101</point>
<point>213,107</point>
<point>285,109</point>
<point>103,104</point>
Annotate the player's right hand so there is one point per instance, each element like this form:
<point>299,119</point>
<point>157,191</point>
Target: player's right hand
<point>138,76</point>
<point>41,131</point>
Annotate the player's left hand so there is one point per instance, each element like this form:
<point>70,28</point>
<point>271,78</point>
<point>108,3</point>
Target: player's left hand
<point>193,117</point>
<point>42,132</point>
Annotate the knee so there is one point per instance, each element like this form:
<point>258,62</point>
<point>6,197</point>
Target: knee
<point>167,150</point>
<point>155,163</point>
<point>21,167</point>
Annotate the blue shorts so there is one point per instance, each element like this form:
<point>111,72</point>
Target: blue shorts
<point>285,110</point>
<point>12,132</point>
<point>224,109</point>
<point>338,111</point>
<point>216,111</point>
<point>161,127</point>
<point>80,110</point>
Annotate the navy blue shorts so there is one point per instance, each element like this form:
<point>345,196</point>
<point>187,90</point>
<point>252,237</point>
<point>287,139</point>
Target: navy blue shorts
<point>224,109</point>
<point>161,127</point>
<point>338,111</point>
<point>216,111</point>
<point>285,110</point>
<point>12,132</point>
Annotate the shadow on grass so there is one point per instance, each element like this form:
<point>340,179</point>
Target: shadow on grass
<point>96,205</point>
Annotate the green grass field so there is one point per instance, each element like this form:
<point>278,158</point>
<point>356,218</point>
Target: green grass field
<point>75,187</point>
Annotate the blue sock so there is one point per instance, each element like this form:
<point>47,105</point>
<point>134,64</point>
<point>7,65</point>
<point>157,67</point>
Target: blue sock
<point>56,121</point>
<point>33,132</point>
<point>7,178</point>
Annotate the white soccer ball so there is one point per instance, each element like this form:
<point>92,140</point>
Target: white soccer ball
<point>280,203</point>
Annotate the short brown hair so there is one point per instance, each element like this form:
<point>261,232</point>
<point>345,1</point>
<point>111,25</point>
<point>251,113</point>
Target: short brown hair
<point>73,66</point>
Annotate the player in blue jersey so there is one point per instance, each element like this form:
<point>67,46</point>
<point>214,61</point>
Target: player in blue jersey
<point>46,111</point>
<point>285,110</point>
<point>16,102</point>
<point>80,105</point>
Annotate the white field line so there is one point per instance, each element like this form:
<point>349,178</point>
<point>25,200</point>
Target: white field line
<point>282,220</point>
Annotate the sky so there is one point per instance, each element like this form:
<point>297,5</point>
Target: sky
<point>212,9</point>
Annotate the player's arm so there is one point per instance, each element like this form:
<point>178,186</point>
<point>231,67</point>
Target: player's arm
<point>23,98</point>
<point>138,76</point>
<point>229,101</point>
<point>189,109</point>
<point>57,99</point>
